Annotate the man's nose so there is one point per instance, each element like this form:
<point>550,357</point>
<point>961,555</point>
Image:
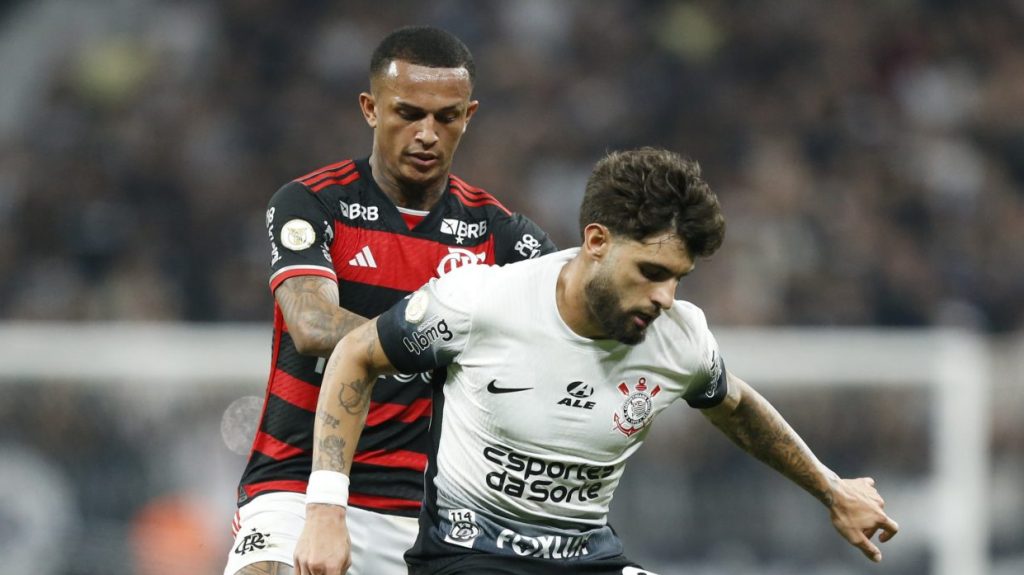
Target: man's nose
<point>664,294</point>
<point>426,133</point>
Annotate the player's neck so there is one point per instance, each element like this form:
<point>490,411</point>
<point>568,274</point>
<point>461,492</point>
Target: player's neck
<point>570,298</point>
<point>405,195</point>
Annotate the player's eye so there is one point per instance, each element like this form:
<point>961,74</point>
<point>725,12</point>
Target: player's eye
<point>654,273</point>
<point>409,114</point>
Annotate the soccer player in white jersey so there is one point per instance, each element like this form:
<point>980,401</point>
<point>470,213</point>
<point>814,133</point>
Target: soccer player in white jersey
<point>556,369</point>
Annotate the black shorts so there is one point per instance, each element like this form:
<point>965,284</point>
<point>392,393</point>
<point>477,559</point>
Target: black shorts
<point>486,564</point>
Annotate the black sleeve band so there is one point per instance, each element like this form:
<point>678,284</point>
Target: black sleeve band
<point>409,346</point>
<point>715,391</point>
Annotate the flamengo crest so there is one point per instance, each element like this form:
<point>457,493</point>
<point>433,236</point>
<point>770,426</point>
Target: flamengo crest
<point>636,409</point>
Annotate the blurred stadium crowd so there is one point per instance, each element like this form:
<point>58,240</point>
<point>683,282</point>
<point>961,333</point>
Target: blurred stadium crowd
<point>870,162</point>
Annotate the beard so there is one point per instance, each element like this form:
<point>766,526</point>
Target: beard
<point>605,306</point>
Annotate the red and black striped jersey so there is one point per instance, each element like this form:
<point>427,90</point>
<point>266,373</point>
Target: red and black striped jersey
<point>337,223</point>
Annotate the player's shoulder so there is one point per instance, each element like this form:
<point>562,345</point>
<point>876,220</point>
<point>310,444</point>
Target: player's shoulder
<point>343,173</point>
<point>324,186</point>
<point>683,331</point>
<point>685,319</point>
<point>476,200</point>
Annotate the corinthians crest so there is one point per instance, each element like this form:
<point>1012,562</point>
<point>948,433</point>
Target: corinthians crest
<point>636,409</point>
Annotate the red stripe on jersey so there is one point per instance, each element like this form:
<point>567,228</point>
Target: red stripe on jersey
<point>378,502</point>
<point>472,196</point>
<point>468,190</point>
<point>393,458</point>
<point>295,271</point>
<point>381,412</point>
<point>282,485</point>
<point>317,174</point>
<point>342,179</point>
<point>322,182</point>
<point>397,261</point>
<point>295,391</point>
<point>484,202</point>
<point>275,448</point>
<point>278,330</point>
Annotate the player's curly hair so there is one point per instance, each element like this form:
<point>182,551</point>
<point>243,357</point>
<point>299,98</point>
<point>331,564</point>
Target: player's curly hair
<point>423,46</point>
<point>639,193</point>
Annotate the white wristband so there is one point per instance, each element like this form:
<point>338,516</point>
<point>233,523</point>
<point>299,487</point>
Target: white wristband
<point>330,487</point>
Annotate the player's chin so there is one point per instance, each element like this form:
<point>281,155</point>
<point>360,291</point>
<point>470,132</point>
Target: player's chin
<point>419,175</point>
<point>632,335</point>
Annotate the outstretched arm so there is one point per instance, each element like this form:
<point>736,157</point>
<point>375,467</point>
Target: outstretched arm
<point>323,548</point>
<point>855,506</point>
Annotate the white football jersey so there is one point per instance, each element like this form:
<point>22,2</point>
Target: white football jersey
<point>534,423</point>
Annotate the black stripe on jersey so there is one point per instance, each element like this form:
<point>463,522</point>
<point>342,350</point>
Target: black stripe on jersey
<point>423,548</point>
<point>261,467</point>
<point>390,390</point>
<point>288,423</point>
<point>386,482</point>
<point>299,366</point>
<point>412,436</point>
<point>368,300</point>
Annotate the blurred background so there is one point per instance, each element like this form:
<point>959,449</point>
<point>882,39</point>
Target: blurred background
<point>869,157</point>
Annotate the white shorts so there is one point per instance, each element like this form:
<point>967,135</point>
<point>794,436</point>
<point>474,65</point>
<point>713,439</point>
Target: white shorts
<point>268,527</point>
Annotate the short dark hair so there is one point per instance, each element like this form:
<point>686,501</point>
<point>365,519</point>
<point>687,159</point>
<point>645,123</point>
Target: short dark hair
<point>639,193</point>
<point>423,46</point>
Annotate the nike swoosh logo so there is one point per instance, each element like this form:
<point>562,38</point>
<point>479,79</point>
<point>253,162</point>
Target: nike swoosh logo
<point>495,389</point>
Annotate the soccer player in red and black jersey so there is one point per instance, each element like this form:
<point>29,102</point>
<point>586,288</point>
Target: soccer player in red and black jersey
<point>347,242</point>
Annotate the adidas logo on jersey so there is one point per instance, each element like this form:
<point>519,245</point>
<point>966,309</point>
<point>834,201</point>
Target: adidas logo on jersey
<point>363,259</point>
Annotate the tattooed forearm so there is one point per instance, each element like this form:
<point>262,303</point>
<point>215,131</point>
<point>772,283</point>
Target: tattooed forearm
<point>327,418</point>
<point>315,320</point>
<point>331,454</point>
<point>761,431</point>
<point>355,395</point>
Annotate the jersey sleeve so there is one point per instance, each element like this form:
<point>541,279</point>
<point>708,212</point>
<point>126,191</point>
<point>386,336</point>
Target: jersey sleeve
<point>710,385</point>
<point>430,327</point>
<point>518,238</point>
<point>300,232</point>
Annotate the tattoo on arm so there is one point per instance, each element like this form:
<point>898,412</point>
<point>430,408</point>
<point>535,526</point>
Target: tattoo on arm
<point>331,454</point>
<point>355,395</point>
<point>310,307</point>
<point>328,419</point>
<point>762,432</point>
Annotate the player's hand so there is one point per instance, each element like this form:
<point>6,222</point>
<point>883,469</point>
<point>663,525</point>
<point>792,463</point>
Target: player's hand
<point>324,547</point>
<point>858,513</point>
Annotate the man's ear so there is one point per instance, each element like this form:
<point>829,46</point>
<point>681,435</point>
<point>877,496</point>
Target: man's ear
<point>597,241</point>
<point>473,107</point>
<point>369,108</point>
